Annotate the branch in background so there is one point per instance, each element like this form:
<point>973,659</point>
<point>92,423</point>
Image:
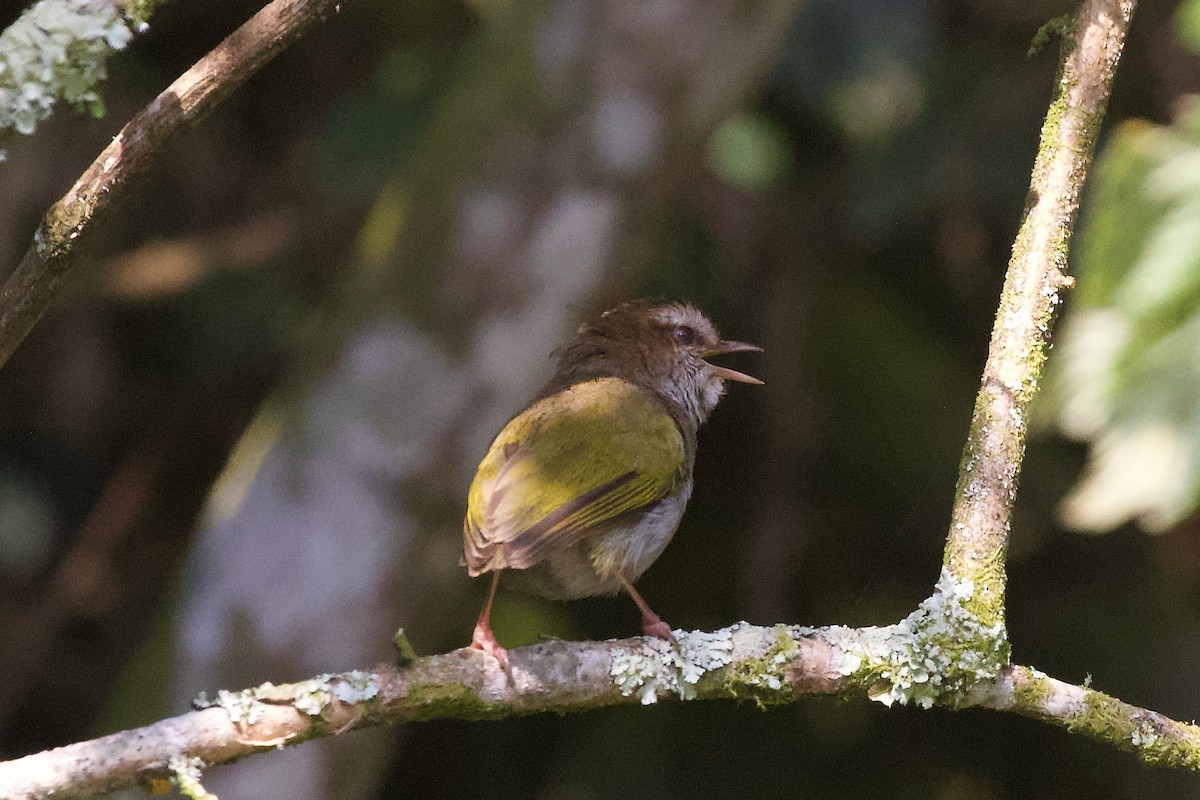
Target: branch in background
<point>162,267</point>
<point>70,222</point>
<point>744,662</point>
<point>85,580</point>
<point>977,543</point>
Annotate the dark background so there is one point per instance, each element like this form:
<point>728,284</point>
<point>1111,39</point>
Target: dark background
<point>850,208</point>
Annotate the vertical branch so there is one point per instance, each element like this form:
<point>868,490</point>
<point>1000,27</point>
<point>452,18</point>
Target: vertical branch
<point>987,484</point>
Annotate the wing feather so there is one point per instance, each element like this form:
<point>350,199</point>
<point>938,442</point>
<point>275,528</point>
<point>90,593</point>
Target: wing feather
<point>566,466</point>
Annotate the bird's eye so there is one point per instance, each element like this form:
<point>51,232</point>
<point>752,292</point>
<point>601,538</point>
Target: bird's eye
<point>685,334</point>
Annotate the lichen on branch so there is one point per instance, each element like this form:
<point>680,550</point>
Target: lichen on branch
<point>934,656</point>
<point>59,50</point>
<point>939,656</point>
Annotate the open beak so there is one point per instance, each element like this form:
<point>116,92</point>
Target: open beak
<point>732,374</point>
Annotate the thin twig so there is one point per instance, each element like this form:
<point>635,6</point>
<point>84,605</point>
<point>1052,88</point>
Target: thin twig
<point>977,544</point>
<point>85,208</point>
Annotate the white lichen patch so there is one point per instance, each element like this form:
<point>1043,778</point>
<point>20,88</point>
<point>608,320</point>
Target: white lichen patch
<point>58,49</point>
<point>242,707</point>
<point>657,666</point>
<point>936,654</point>
<point>313,695</point>
<point>769,656</point>
<point>355,686</point>
<point>1144,735</point>
<point>186,775</point>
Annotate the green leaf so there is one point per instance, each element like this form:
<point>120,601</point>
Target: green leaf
<point>1125,373</point>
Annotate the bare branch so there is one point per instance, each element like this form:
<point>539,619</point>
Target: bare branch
<point>977,544</point>
<point>768,665</point>
<point>70,222</point>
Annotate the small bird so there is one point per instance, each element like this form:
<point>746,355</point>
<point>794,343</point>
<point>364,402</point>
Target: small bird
<point>581,492</point>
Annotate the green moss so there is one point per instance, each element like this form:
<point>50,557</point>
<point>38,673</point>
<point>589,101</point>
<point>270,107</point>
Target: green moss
<point>758,679</point>
<point>1102,716</point>
<point>1061,28</point>
<point>976,557</point>
<point>453,701</point>
<point>186,775</point>
<point>1102,708</point>
<point>405,654</point>
<point>139,12</point>
<point>1031,693</point>
<point>1109,720</point>
<point>1162,751</point>
<point>1155,740</point>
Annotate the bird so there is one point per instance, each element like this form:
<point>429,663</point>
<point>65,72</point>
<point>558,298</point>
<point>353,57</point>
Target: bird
<point>583,489</point>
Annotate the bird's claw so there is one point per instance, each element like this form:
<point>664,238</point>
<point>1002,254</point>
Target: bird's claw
<point>652,625</point>
<point>483,639</point>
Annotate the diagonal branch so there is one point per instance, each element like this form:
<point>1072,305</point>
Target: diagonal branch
<point>766,665</point>
<point>73,220</point>
<point>977,544</point>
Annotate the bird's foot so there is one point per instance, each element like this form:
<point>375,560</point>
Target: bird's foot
<point>652,625</point>
<point>483,639</point>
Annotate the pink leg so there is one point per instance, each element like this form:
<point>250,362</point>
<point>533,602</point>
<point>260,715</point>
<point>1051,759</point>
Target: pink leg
<point>652,624</point>
<point>483,638</point>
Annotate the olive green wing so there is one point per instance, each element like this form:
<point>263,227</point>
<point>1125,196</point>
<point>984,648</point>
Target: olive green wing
<point>565,466</point>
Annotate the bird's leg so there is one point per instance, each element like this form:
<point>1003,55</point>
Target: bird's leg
<point>652,624</point>
<point>483,638</point>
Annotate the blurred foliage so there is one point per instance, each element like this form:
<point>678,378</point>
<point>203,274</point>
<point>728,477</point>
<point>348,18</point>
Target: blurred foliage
<point>371,131</point>
<point>1187,20</point>
<point>28,517</point>
<point>862,67</point>
<point>749,151</point>
<point>1125,376</point>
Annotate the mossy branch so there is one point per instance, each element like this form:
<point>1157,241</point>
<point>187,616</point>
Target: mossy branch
<point>977,544</point>
<point>763,665</point>
<point>71,222</point>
